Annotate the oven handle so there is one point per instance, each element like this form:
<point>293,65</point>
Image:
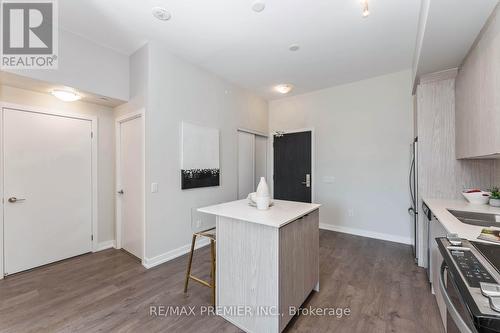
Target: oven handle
<point>461,325</point>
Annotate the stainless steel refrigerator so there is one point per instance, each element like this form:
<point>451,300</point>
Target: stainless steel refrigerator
<point>413,187</point>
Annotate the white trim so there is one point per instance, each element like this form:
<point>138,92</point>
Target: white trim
<point>105,245</point>
<point>118,205</point>
<point>167,256</point>
<point>94,125</point>
<point>366,233</point>
<point>252,132</point>
<point>313,157</point>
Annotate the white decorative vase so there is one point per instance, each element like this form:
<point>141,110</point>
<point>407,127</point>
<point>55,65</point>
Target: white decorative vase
<point>262,188</point>
<point>262,198</point>
<point>495,202</point>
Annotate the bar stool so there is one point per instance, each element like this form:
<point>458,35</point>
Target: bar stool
<point>203,225</point>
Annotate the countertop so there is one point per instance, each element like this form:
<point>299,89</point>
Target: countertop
<point>278,215</point>
<point>440,208</point>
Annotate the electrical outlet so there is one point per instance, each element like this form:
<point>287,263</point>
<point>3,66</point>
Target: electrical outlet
<point>350,212</point>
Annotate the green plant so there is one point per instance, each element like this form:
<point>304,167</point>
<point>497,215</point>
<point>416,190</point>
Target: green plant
<point>495,193</point>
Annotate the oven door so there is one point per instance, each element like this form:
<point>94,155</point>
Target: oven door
<point>458,319</point>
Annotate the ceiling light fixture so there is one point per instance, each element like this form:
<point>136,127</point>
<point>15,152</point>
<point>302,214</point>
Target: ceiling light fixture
<point>366,11</point>
<point>258,6</point>
<point>66,95</point>
<point>284,88</point>
<point>161,13</point>
<point>294,47</point>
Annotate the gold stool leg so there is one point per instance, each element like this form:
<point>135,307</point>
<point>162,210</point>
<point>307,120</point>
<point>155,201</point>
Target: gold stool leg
<point>190,263</point>
<point>212,249</point>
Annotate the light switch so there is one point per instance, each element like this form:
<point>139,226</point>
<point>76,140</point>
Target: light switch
<point>154,187</point>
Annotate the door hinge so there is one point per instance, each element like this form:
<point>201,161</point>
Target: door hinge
<point>91,237</point>
<point>91,135</point>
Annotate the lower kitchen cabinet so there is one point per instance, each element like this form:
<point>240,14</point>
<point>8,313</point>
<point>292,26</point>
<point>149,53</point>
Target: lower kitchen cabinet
<point>436,230</point>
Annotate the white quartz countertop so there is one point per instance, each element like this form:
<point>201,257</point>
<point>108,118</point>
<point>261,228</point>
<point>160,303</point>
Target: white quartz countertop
<point>281,213</point>
<point>452,225</point>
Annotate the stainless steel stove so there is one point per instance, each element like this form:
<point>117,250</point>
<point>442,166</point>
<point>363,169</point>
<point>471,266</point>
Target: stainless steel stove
<point>470,285</point>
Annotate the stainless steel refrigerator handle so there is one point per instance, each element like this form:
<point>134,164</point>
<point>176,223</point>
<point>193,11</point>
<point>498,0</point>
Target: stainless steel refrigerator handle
<point>461,325</point>
<point>412,168</point>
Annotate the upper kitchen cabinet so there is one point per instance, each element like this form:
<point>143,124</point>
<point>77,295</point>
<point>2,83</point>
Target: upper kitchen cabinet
<point>477,96</point>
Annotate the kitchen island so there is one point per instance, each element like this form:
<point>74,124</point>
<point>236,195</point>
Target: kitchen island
<point>267,262</point>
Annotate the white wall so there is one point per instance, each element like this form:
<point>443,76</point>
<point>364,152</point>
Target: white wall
<point>106,147</point>
<point>179,91</point>
<point>139,79</point>
<point>362,137</point>
<point>87,66</point>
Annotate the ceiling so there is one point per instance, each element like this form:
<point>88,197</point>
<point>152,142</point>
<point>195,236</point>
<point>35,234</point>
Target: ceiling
<point>337,45</point>
<point>449,32</point>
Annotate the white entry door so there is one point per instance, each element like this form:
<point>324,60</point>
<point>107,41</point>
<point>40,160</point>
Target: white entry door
<point>131,186</point>
<point>47,188</point>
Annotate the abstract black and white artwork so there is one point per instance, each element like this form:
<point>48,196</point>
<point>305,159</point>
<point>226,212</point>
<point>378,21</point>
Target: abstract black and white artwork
<point>200,156</point>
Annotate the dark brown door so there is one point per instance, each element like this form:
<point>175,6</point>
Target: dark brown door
<point>292,166</point>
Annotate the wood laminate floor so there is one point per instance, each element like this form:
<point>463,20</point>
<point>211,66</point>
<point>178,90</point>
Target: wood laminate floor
<point>110,291</point>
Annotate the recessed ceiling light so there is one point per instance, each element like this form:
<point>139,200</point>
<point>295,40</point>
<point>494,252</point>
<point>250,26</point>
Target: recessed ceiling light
<point>366,11</point>
<point>66,95</point>
<point>258,6</point>
<point>161,13</point>
<point>294,47</point>
<point>284,88</point>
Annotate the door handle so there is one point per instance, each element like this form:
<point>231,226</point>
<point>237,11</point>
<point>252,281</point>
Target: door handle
<point>307,183</point>
<point>120,192</point>
<point>14,200</point>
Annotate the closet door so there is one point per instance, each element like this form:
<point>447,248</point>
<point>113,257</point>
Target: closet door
<point>246,164</point>
<point>252,162</point>
<point>260,159</point>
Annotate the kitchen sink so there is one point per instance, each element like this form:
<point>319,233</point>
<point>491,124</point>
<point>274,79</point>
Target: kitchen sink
<point>481,219</point>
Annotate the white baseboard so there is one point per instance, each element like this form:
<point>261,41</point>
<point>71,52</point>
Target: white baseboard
<point>167,256</point>
<point>105,245</point>
<point>366,233</point>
